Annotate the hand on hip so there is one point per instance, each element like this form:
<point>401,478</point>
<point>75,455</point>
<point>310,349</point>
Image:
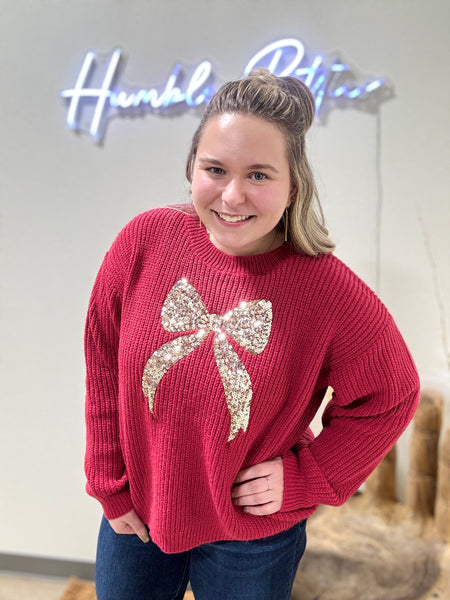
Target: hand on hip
<point>259,489</point>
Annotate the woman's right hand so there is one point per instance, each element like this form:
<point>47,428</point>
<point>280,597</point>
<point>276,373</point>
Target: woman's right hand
<point>130,524</point>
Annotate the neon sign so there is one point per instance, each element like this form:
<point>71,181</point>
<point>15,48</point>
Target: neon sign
<point>96,97</point>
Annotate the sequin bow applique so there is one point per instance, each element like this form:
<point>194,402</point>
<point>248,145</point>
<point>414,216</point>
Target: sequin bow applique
<point>249,325</point>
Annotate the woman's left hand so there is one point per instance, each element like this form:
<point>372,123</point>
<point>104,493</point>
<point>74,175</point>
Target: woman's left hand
<point>259,488</point>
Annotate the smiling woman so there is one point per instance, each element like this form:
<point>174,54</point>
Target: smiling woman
<point>209,350</point>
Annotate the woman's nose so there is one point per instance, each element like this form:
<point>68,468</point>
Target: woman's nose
<point>233,193</point>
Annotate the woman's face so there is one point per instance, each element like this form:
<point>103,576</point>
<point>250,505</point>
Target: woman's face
<point>241,183</point>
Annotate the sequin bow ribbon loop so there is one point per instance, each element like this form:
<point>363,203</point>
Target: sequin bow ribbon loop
<point>249,325</point>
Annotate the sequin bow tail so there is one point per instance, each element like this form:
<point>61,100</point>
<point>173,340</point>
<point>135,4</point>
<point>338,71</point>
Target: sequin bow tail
<point>249,324</point>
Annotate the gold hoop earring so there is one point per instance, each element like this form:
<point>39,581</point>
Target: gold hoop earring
<point>286,224</point>
<point>199,222</point>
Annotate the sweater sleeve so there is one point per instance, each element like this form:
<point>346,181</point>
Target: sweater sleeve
<point>104,465</point>
<point>375,397</point>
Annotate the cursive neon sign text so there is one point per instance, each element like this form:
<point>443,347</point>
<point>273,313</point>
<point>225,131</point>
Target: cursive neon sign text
<point>96,97</point>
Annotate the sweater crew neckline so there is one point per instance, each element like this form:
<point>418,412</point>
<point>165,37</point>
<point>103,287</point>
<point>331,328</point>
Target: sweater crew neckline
<point>208,253</point>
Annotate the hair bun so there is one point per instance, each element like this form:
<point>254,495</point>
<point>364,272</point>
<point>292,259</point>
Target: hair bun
<point>294,88</point>
<point>301,91</point>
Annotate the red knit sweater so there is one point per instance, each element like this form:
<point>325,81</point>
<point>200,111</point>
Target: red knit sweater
<point>200,363</point>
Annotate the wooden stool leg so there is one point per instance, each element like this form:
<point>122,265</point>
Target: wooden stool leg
<point>443,491</point>
<point>421,484</point>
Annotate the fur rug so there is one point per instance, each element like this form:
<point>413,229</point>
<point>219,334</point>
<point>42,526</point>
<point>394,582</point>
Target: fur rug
<point>360,552</point>
<point>77,589</point>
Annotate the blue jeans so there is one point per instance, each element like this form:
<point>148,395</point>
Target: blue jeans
<point>128,569</point>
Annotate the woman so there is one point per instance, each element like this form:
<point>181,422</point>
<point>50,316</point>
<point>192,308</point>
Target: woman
<point>212,336</point>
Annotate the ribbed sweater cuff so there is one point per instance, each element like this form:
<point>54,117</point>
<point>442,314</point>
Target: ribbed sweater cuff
<point>304,483</point>
<point>117,505</point>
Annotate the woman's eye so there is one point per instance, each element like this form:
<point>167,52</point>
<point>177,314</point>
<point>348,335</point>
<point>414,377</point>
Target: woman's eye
<point>215,170</point>
<point>259,176</point>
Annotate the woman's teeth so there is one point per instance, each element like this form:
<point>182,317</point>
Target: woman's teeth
<point>231,219</point>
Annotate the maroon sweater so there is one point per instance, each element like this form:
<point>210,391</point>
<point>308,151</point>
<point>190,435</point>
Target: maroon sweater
<point>200,363</point>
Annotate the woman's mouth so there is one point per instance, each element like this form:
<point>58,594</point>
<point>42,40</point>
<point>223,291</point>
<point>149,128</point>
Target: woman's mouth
<point>232,218</point>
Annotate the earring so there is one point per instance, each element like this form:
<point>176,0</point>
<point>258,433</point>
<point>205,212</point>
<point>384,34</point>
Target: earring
<point>286,225</point>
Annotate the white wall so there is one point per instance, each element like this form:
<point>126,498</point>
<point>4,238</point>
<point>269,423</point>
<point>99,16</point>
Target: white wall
<point>63,199</point>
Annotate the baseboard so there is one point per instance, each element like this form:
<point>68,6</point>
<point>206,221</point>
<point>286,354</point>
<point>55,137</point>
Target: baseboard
<point>46,567</point>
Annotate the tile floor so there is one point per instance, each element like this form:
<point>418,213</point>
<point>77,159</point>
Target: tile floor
<point>24,587</point>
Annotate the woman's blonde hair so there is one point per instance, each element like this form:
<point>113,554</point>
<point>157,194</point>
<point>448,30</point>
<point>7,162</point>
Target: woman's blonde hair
<point>289,104</point>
